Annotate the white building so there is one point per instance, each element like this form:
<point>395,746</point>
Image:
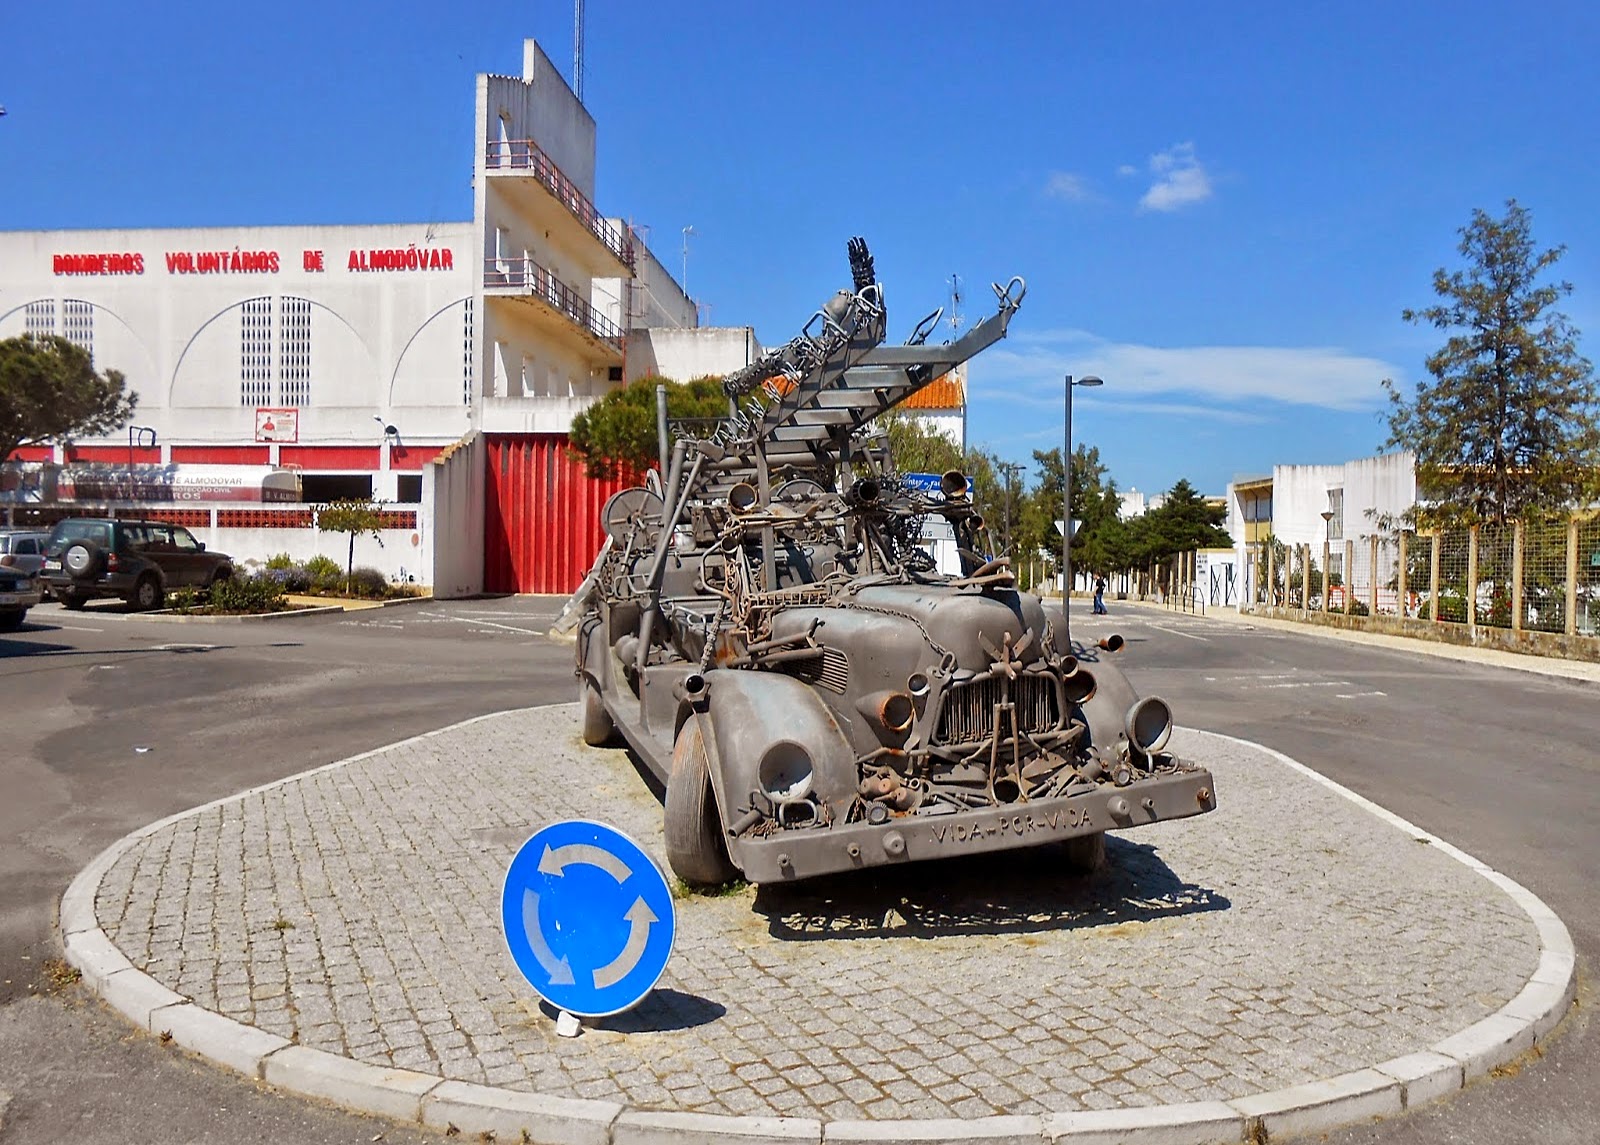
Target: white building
<point>359,355</point>
<point>1313,504</point>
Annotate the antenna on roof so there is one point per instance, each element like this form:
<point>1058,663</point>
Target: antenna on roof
<point>577,49</point>
<point>955,301</point>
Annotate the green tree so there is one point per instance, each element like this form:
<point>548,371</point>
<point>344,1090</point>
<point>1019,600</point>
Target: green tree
<point>1096,506</point>
<point>617,435</point>
<point>49,390</point>
<point>355,517</point>
<point>915,447</point>
<point>1508,422</point>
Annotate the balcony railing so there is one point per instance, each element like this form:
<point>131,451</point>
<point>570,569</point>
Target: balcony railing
<point>525,155</point>
<point>529,278</point>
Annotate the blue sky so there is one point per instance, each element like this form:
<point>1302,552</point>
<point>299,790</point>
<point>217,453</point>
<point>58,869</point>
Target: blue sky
<point>1220,208</point>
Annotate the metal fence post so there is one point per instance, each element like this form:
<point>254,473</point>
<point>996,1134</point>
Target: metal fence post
<point>1517,542</point>
<point>1400,577</point>
<point>1433,574</point>
<point>1372,592</point>
<point>1472,580</point>
<point>1272,576</point>
<point>1305,579</point>
<point>1572,578</point>
<point>1349,577</point>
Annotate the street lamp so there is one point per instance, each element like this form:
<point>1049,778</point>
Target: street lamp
<point>1010,469</point>
<point>1066,507</point>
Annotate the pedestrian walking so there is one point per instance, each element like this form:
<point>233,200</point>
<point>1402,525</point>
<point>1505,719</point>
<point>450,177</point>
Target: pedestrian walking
<point>1100,596</point>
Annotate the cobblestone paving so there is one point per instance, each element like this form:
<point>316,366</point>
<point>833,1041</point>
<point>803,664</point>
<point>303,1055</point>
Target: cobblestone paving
<point>1285,937</point>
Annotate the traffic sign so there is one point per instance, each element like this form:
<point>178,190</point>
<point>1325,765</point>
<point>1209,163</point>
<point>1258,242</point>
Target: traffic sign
<point>928,484</point>
<point>588,917</point>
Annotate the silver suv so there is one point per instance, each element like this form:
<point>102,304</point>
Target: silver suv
<point>21,558</point>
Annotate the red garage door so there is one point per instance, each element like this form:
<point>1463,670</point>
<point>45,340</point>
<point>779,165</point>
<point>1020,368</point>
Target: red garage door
<point>542,517</point>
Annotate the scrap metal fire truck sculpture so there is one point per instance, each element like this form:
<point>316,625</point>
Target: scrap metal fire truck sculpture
<point>766,632</point>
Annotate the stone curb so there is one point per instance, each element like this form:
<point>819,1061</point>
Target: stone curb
<point>248,618</point>
<point>404,1095</point>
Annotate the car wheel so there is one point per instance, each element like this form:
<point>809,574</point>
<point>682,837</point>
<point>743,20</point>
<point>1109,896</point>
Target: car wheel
<point>598,727</point>
<point>695,849</point>
<point>1085,854</point>
<point>73,601</point>
<point>147,594</point>
<point>11,621</point>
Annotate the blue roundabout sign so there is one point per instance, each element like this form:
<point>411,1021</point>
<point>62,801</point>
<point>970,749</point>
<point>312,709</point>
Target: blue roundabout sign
<point>588,917</point>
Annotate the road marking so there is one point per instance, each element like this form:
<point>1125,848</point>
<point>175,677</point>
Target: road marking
<point>491,624</point>
<point>73,627</point>
<point>1310,684</point>
<point>1175,632</point>
<point>1358,695</point>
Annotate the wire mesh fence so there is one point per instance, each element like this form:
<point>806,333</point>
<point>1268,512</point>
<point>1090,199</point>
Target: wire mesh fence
<point>1586,610</point>
<point>1359,579</point>
<point>1419,574</point>
<point>1539,576</point>
<point>1544,576</point>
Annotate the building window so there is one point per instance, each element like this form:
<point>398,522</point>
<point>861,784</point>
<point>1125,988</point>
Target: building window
<point>408,488</point>
<point>255,352</point>
<point>77,323</point>
<point>322,487</point>
<point>466,355</point>
<point>40,318</point>
<point>1336,523</point>
<point>294,352</point>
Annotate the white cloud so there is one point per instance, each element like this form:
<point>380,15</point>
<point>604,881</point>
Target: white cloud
<point>1127,169</point>
<point>1067,186</point>
<point>1179,180</point>
<point>1221,382</point>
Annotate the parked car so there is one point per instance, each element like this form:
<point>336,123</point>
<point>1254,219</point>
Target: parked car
<point>138,561</point>
<point>19,591</point>
<point>22,550</point>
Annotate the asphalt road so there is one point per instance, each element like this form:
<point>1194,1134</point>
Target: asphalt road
<point>1504,764</point>
<point>109,721</point>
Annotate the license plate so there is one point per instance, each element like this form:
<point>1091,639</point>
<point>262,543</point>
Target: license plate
<point>52,566</point>
<point>8,598</point>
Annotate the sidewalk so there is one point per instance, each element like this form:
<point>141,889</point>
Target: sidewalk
<point>1522,662</point>
<point>1295,960</point>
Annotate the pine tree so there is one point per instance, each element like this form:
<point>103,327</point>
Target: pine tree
<point>1508,423</point>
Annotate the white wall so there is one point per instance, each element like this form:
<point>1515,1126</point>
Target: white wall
<point>682,354</point>
<point>383,342</point>
<point>453,492</point>
<point>399,556</point>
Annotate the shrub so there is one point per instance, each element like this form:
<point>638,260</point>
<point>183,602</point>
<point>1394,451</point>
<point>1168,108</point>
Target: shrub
<point>280,561</point>
<point>369,583</point>
<point>324,572</point>
<point>248,594</point>
<point>183,600</point>
<point>294,578</point>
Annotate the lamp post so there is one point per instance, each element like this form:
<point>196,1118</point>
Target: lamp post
<point>1066,506</point>
<point>1010,469</point>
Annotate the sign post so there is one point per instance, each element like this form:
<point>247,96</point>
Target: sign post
<point>588,918</point>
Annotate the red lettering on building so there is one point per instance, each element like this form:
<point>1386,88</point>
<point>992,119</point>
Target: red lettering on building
<point>234,261</point>
<point>118,263</point>
<point>311,260</point>
<point>412,257</point>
